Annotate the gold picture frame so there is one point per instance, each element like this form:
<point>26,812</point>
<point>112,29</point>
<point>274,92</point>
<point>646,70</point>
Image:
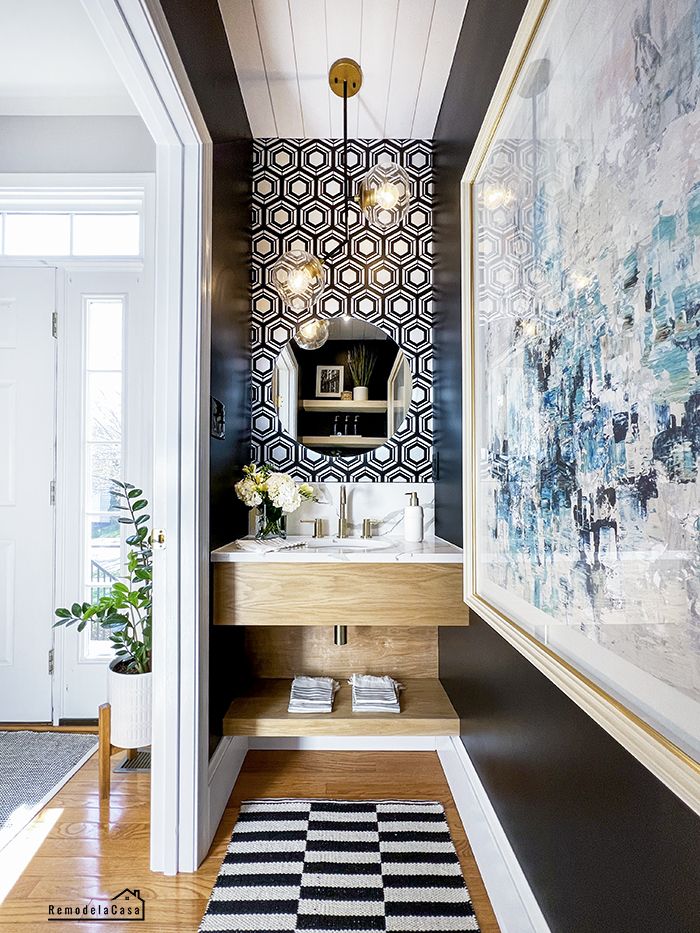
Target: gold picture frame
<point>660,754</point>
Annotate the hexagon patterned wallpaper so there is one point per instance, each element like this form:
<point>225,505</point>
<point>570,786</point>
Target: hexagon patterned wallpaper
<point>381,277</point>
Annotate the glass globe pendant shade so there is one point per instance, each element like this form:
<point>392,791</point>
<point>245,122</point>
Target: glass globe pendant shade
<point>313,334</point>
<point>385,193</point>
<point>299,278</point>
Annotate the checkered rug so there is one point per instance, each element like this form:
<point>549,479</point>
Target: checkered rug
<point>329,866</point>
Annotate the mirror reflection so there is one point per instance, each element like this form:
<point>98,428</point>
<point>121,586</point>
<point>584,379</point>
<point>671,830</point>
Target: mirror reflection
<point>346,397</point>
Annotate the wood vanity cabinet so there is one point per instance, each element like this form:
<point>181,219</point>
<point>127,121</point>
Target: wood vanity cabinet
<point>338,594</point>
<point>287,610</point>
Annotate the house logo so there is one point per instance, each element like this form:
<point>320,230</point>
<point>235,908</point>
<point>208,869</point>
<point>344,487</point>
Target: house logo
<point>127,905</point>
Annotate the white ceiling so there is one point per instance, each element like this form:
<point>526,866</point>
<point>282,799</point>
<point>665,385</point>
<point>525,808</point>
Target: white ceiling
<point>282,50</point>
<point>52,62</point>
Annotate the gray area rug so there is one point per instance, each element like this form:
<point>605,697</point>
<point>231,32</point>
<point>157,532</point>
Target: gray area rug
<point>33,766</point>
<point>340,865</point>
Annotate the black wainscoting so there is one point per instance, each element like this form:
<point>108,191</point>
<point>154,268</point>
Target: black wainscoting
<point>201,40</point>
<point>604,845</point>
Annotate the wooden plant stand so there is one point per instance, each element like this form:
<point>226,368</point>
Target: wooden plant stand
<point>105,750</point>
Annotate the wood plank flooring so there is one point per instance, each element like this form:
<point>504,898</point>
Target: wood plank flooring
<point>82,850</point>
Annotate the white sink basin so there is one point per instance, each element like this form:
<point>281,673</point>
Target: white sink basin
<point>347,544</point>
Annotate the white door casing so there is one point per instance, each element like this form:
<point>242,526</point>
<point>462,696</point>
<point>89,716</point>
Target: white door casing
<point>138,41</point>
<point>27,465</point>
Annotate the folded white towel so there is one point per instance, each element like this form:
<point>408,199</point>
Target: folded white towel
<point>312,694</point>
<point>375,694</point>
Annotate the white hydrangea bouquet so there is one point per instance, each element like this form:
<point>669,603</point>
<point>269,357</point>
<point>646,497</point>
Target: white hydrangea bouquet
<point>274,495</point>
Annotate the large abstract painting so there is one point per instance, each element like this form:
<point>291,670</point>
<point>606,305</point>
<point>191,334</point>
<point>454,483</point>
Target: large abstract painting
<point>584,316</point>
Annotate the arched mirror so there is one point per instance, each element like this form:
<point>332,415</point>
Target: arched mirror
<point>346,397</point>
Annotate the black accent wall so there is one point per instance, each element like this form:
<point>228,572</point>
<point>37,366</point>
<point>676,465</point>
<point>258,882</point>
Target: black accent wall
<point>199,34</point>
<point>604,845</point>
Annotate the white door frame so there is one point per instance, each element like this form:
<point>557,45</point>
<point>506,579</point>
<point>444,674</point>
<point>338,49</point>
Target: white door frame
<point>138,40</point>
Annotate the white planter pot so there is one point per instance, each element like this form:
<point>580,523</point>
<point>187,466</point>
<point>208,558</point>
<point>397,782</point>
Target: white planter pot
<point>130,696</point>
<point>360,394</point>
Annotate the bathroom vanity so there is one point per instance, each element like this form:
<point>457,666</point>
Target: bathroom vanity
<point>392,596</point>
<point>340,582</point>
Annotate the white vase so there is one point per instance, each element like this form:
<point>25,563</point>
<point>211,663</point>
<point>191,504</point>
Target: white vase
<point>360,394</point>
<point>130,696</point>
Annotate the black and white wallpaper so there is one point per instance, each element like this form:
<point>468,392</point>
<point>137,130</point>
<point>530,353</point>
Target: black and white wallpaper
<point>383,278</point>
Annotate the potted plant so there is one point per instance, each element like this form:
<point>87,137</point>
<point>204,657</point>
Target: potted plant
<point>274,495</point>
<point>125,612</point>
<point>361,363</point>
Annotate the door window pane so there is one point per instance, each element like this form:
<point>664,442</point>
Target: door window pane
<point>104,549</point>
<point>97,634</point>
<point>104,333</point>
<point>103,464</point>
<point>106,235</point>
<point>37,235</point>
<point>104,415</point>
<point>104,406</point>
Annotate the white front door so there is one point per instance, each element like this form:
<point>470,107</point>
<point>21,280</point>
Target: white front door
<point>27,464</point>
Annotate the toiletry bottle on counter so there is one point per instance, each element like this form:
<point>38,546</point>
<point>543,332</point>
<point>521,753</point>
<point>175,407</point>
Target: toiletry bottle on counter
<point>413,519</point>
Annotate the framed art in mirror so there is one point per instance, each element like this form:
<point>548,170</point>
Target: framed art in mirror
<point>581,211</point>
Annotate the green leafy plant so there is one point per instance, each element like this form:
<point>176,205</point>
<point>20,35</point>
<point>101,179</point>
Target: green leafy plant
<point>361,363</point>
<point>126,610</point>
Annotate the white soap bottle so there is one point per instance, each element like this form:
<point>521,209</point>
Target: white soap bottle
<point>413,519</point>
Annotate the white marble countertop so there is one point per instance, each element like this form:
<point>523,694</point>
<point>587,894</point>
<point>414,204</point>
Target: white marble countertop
<point>379,550</point>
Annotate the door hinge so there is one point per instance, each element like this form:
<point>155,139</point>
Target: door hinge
<point>157,539</point>
<point>51,661</point>
<point>52,492</point>
<point>54,323</point>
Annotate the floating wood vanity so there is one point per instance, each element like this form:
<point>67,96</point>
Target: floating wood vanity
<point>391,595</point>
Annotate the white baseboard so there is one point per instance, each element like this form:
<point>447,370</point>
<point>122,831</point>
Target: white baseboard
<point>351,743</point>
<point>510,894</point>
<point>224,766</point>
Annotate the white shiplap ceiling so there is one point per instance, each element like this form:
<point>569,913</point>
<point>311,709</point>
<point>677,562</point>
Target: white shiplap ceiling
<point>53,62</point>
<point>282,50</point>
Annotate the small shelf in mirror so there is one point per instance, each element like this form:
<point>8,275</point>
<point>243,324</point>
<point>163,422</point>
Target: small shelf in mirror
<point>326,404</point>
<point>344,440</point>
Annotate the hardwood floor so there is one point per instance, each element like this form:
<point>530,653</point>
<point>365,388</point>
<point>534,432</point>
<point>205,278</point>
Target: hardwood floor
<point>81,850</point>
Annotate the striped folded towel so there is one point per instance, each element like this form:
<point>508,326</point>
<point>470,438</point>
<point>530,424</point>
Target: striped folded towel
<point>374,694</point>
<point>312,694</point>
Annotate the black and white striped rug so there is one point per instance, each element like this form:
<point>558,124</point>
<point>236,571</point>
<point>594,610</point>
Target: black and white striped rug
<point>329,866</point>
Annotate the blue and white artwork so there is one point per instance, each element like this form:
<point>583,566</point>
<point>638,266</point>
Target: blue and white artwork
<point>586,218</point>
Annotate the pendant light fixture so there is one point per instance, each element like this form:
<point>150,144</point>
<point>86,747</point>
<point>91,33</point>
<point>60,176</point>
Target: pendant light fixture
<point>313,334</point>
<point>345,80</point>
<point>385,193</point>
<point>299,277</point>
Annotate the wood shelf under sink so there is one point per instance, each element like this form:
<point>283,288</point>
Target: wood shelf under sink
<point>425,710</point>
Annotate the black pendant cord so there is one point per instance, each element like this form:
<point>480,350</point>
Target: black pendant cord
<point>346,182</point>
<point>346,178</point>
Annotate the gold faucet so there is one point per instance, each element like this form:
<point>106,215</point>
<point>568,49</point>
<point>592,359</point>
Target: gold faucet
<point>343,519</point>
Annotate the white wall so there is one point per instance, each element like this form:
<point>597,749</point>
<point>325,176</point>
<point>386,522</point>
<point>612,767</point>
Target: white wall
<point>75,144</point>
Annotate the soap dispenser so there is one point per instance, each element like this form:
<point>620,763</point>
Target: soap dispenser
<point>413,519</point>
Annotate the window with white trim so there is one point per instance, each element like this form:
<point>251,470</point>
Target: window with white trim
<point>72,223</point>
